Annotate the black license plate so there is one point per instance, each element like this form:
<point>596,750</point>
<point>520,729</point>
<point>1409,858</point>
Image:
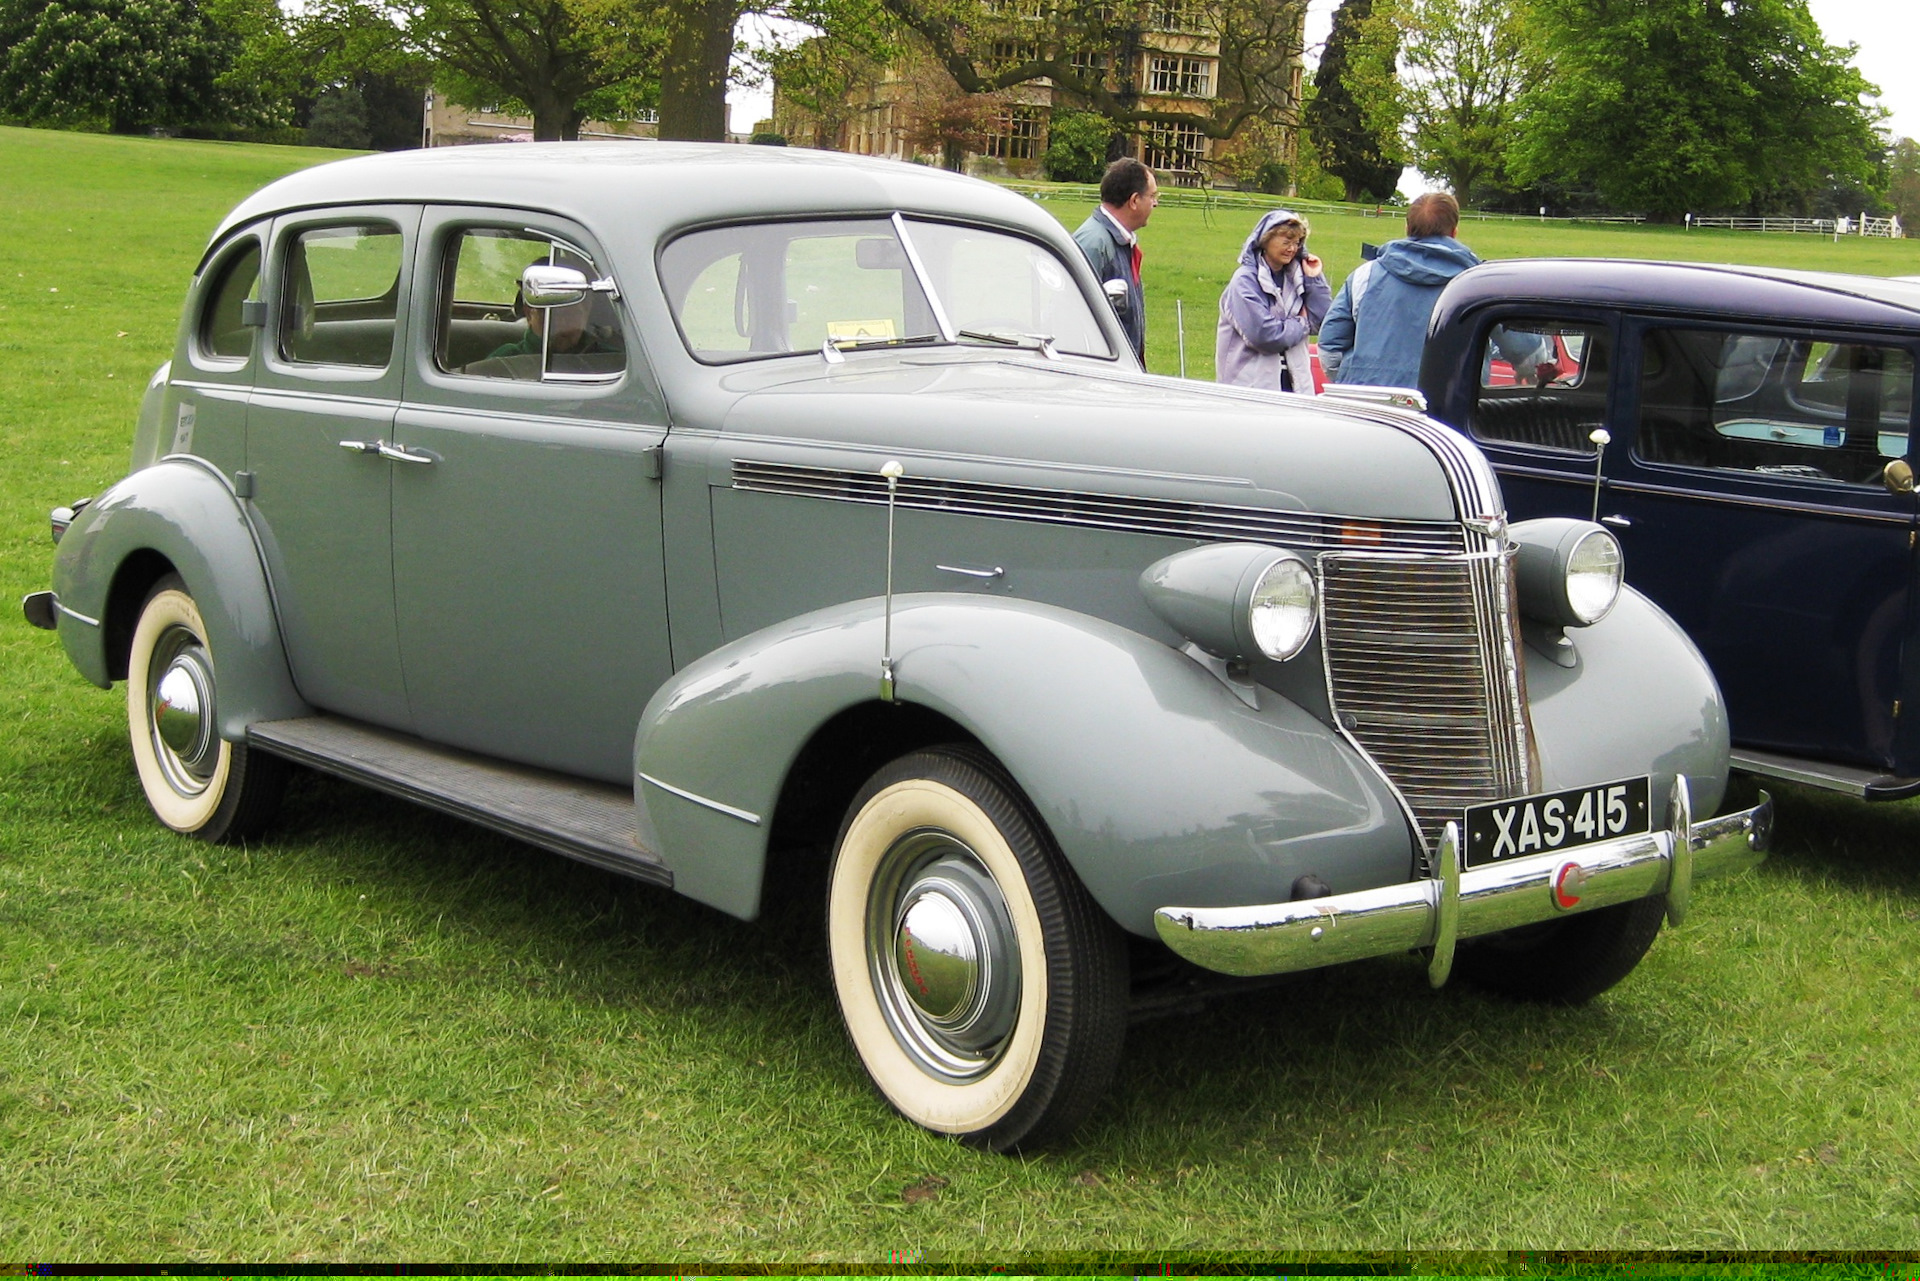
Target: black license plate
<point>1501,831</point>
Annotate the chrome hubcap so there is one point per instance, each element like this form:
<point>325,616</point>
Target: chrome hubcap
<point>180,711</point>
<point>943,955</point>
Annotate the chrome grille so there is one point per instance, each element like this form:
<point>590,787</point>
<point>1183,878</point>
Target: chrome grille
<point>1211,522</point>
<point>1423,675</point>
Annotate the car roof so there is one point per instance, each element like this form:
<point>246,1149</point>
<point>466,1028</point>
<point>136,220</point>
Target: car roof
<point>1773,293</point>
<point>650,187</point>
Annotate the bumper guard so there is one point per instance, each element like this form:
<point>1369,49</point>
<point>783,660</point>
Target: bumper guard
<point>1437,911</point>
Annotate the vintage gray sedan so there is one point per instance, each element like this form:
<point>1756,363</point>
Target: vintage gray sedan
<point>686,509</point>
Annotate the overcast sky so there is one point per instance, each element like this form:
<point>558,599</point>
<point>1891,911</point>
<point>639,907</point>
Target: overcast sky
<point>1887,31</point>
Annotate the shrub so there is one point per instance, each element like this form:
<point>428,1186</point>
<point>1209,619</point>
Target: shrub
<point>1077,146</point>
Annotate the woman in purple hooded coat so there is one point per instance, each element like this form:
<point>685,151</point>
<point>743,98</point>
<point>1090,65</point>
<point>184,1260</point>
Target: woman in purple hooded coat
<point>1278,296</point>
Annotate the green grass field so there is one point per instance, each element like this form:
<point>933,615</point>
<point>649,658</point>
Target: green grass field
<point>385,1035</point>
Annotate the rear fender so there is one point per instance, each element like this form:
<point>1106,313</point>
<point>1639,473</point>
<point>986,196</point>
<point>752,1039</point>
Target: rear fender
<point>183,513</point>
<point>1159,784</point>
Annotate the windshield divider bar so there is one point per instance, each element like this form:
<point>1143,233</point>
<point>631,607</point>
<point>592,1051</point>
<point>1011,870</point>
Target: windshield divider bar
<point>926,286</point>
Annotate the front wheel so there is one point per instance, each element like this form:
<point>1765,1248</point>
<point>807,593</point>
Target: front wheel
<point>1567,961</point>
<point>196,782</point>
<point>982,987</point>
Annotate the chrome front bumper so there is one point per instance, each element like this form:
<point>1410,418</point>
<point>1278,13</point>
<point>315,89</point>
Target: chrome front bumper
<point>1278,938</point>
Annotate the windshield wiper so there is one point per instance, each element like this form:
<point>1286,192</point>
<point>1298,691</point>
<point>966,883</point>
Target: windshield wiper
<point>830,349</point>
<point>1042,343</point>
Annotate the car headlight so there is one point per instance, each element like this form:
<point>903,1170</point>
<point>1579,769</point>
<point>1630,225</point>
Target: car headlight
<point>1280,611</point>
<point>1569,571</point>
<point>1236,600</point>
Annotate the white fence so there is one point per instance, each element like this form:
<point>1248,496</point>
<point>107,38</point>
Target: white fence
<point>1215,198</point>
<point>1861,226</point>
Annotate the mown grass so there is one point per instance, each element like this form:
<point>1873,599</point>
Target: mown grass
<point>380,1034</point>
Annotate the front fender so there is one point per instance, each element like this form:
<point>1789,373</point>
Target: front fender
<point>1638,699</point>
<point>185,511</point>
<point>1158,783</point>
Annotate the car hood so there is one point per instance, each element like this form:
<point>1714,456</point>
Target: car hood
<point>1072,424</point>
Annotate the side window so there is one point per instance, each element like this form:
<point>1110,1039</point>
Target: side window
<point>1543,383</point>
<point>487,330</point>
<point>223,330</point>
<point>1781,406</point>
<point>341,295</point>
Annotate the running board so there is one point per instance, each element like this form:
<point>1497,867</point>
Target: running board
<point>1867,784</point>
<point>582,819</point>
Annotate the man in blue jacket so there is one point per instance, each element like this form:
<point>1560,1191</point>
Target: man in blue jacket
<point>1376,329</point>
<point>1110,240</point>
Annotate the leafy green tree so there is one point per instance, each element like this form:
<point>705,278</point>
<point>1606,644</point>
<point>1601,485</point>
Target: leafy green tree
<point>560,61</point>
<point>990,45</point>
<point>1463,66</point>
<point>1903,185</point>
<point>126,64</point>
<point>826,76</point>
<point>339,119</point>
<point>1350,140</point>
<point>1077,144</point>
<point>1670,106</point>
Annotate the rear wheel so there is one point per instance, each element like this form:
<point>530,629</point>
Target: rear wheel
<point>1566,961</point>
<point>196,782</point>
<point>982,987</point>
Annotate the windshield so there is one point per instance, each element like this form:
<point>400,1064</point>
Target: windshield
<point>767,289</point>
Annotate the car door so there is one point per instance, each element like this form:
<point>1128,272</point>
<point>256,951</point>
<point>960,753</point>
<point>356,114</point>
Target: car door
<point>205,412</point>
<point>323,402</point>
<point>1747,491</point>
<point>1544,384</point>
<point>528,570</point>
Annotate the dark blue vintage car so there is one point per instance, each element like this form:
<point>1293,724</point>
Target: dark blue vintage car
<point>1746,433</point>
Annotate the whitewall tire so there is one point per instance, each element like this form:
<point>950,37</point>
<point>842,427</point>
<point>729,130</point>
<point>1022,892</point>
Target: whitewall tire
<point>196,782</point>
<point>983,989</point>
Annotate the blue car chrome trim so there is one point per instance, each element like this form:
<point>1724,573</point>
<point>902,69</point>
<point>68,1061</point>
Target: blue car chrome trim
<point>745,816</point>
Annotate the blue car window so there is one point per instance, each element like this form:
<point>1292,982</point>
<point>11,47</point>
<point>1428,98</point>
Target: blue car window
<point>1543,383</point>
<point>1805,408</point>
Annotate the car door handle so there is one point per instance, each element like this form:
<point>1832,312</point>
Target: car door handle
<point>1618,522</point>
<point>401,454</point>
<point>362,446</point>
<point>988,574</point>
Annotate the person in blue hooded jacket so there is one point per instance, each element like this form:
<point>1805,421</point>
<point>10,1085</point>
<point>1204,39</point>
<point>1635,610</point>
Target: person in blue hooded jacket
<point>1376,329</point>
<point>1276,297</point>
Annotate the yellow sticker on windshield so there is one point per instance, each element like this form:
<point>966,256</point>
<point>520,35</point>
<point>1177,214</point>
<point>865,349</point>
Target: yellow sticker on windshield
<point>855,330</point>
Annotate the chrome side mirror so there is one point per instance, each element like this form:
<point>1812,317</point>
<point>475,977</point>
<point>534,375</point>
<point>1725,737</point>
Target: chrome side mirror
<point>544,285</point>
<point>1116,291</point>
<point>1897,476</point>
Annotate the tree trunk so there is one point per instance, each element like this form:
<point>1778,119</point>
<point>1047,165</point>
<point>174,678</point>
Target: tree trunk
<point>693,83</point>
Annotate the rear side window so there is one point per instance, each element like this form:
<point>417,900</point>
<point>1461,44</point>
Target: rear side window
<point>342,295</point>
<point>1772,404</point>
<point>1543,383</point>
<point>487,330</point>
<point>223,328</point>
